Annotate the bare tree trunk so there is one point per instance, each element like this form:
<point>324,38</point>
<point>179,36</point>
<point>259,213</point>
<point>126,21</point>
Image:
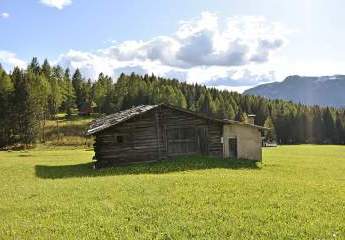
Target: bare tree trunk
<point>58,133</point>
<point>43,128</point>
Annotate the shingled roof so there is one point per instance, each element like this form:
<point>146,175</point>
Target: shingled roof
<point>116,118</point>
<point>122,116</point>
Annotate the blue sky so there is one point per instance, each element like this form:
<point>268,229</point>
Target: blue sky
<point>228,44</point>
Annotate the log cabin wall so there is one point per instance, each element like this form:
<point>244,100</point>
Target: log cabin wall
<point>139,142</point>
<point>157,134</point>
<point>211,130</point>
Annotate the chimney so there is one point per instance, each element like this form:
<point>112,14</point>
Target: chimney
<point>250,118</point>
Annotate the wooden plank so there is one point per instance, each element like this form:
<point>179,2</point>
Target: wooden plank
<point>157,134</point>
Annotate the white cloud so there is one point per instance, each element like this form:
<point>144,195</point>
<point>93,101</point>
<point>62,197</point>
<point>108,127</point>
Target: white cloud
<point>239,89</point>
<point>4,15</point>
<point>59,4</point>
<point>10,60</point>
<point>242,77</point>
<point>205,42</point>
<point>90,64</point>
<point>232,52</point>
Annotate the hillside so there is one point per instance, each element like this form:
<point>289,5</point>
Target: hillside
<point>323,91</point>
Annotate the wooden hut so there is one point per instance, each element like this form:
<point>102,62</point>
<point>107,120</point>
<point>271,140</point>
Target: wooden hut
<point>156,132</point>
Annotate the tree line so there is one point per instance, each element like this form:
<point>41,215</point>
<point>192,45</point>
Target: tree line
<point>28,97</point>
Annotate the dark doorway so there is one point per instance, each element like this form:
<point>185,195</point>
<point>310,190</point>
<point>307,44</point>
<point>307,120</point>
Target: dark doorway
<point>233,147</point>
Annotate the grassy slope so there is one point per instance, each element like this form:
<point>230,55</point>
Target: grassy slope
<point>298,193</point>
<point>68,132</point>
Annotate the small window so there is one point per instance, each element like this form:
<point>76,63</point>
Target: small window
<point>119,139</point>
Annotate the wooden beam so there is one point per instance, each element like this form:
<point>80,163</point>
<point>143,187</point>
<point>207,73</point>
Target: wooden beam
<point>158,132</point>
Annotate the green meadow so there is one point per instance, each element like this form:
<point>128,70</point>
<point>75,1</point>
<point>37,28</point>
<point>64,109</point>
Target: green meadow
<point>297,192</point>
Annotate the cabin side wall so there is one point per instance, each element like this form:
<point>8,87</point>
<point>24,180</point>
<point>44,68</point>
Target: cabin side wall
<point>248,141</point>
<point>171,118</point>
<point>145,138</point>
<point>140,142</point>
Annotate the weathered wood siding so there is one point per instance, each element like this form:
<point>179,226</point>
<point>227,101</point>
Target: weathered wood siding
<point>145,138</point>
<point>172,119</point>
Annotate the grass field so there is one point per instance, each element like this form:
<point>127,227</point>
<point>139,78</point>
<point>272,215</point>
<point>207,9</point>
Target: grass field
<point>297,193</point>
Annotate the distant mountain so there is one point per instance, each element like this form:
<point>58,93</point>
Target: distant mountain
<point>323,91</point>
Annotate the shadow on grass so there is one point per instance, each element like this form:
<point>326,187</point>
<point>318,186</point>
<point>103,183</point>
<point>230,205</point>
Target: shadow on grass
<point>178,165</point>
<point>25,155</point>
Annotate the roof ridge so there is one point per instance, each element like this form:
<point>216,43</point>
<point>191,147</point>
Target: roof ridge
<point>124,115</point>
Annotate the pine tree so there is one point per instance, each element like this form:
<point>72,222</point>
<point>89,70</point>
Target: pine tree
<point>339,129</point>
<point>270,135</point>
<point>77,82</point>
<point>328,125</point>
<point>69,102</point>
<point>180,99</point>
<point>26,108</point>
<point>45,69</point>
<point>39,95</point>
<point>6,89</point>
<point>230,113</point>
<point>206,103</point>
<point>56,96</point>
<point>261,112</point>
<point>100,90</point>
<point>34,66</point>
<point>317,126</point>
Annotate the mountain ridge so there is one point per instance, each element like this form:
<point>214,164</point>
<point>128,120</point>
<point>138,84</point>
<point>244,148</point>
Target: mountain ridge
<point>323,90</point>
